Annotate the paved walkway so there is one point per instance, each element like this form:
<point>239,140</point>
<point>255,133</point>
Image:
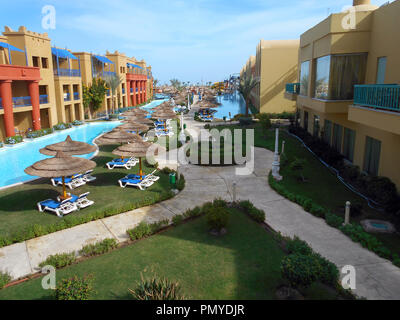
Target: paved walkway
<point>376,278</point>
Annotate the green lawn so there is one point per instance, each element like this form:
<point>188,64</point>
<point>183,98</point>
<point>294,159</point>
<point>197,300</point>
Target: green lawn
<point>322,185</point>
<point>243,264</point>
<point>18,209</point>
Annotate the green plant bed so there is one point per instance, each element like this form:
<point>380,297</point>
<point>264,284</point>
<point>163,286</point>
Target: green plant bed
<point>206,267</point>
<point>20,220</point>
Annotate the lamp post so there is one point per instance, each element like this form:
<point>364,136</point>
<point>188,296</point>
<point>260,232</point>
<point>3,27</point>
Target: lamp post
<point>276,164</point>
<point>182,135</point>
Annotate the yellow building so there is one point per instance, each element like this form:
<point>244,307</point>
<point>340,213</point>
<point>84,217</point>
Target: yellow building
<point>41,85</point>
<point>349,87</point>
<point>267,96</point>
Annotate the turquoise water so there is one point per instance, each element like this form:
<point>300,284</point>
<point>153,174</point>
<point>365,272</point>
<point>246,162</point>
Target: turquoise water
<point>230,103</point>
<point>13,160</point>
<point>379,226</point>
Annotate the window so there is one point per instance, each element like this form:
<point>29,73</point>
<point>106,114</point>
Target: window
<point>322,72</point>
<point>381,70</point>
<point>328,131</point>
<point>35,62</point>
<point>337,137</point>
<point>336,75</point>
<point>316,126</point>
<point>45,63</point>
<point>304,78</point>
<point>305,120</point>
<point>349,140</point>
<point>372,156</point>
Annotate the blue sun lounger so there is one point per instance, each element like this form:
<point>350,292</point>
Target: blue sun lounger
<point>127,163</point>
<point>71,182</point>
<point>80,201</point>
<point>141,184</point>
<point>60,208</point>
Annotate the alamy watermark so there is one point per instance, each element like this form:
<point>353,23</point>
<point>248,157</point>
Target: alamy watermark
<point>48,17</point>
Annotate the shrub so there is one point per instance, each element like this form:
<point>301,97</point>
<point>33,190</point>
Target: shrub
<point>317,210</point>
<point>101,247</point>
<point>297,166</point>
<point>195,212</point>
<point>177,220</point>
<point>62,126</point>
<point>39,133</point>
<point>300,270</point>
<point>157,226</point>
<point>244,121</point>
<point>180,184</point>
<point>265,120</point>
<point>59,260</point>
<point>143,229</point>
<point>328,272</point>
<point>78,123</point>
<point>157,289</point>
<point>75,288</point>
<point>382,190</point>
<point>14,140</point>
<point>333,220</point>
<point>217,218</point>
<point>298,246</point>
<point>255,213</point>
<point>5,278</point>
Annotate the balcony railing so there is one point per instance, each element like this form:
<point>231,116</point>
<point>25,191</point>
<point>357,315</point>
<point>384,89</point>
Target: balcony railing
<point>25,101</point>
<point>380,96</point>
<point>67,73</point>
<point>293,88</point>
<point>102,74</point>
<point>67,97</point>
<point>76,96</point>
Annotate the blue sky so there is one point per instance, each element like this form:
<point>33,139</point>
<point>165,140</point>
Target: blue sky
<point>192,40</point>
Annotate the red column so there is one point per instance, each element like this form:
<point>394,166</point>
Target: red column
<point>33,87</point>
<point>145,91</point>
<point>128,93</point>
<point>140,92</point>
<point>6,95</point>
<point>134,93</point>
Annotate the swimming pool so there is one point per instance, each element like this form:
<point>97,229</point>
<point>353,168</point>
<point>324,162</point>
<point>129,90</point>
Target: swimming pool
<point>13,160</point>
<point>230,103</point>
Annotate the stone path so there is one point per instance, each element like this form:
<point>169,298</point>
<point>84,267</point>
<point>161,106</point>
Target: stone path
<point>376,278</point>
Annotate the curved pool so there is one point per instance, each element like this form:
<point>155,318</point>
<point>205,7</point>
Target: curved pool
<point>231,105</point>
<point>13,160</point>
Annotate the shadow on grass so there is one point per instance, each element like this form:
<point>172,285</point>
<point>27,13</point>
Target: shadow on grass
<point>26,200</point>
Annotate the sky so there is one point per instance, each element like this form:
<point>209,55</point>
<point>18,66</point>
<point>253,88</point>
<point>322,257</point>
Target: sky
<point>192,40</point>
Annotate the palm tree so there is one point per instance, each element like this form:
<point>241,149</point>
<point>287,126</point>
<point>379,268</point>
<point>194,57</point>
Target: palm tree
<point>155,83</point>
<point>113,82</point>
<point>245,88</point>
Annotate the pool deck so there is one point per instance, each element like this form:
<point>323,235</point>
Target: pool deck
<point>376,278</point>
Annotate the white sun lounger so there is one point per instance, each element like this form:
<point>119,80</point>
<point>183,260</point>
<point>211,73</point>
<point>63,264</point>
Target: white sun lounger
<point>126,163</point>
<point>59,208</point>
<point>71,182</point>
<point>80,201</point>
<point>141,184</point>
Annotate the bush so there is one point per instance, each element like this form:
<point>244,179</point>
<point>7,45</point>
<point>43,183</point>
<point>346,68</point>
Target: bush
<point>333,220</point>
<point>5,278</point>
<point>328,272</point>
<point>244,121</point>
<point>142,230</point>
<point>298,246</point>
<point>101,247</point>
<point>265,120</point>
<point>180,184</point>
<point>62,126</point>
<point>300,270</point>
<point>75,288</point>
<point>157,289</point>
<point>177,220</point>
<point>14,140</point>
<point>255,213</point>
<point>78,123</point>
<point>217,218</point>
<point>39,133</point>
<point>60,260</point>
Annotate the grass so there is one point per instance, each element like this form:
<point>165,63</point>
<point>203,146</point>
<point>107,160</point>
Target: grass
<point>322,185</point>
<point>243,264</point>
<point>18,204</point>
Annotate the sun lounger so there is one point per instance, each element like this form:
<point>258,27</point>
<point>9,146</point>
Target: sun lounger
<point>71,182</point>
<point>149,176</point>
<point>80,201</point>
<point>127,163</point>
<point>87,176</point>
<point>164,133</point>
<point>141,184</point>
<point>60,208</point>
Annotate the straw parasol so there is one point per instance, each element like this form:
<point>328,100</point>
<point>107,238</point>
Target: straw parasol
<point>61,165</point>
<point>69,147</point>
<point>135,149</point>
<point>134,126</point>
<point>137,119</point>
<point>117,136</point>
<point>135,112</point>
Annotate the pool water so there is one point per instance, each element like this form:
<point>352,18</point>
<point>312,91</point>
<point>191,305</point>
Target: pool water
<point>13,160</point>
<point>380,226</point>
<point>231,105</point>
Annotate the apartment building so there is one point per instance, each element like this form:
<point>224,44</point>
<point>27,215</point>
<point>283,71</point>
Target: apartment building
<point>41,85</point>
<point>267,96</point>
<point>348,91</point>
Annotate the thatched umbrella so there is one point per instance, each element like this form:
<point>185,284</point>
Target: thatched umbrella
<point>134,126</point>
<point>61,165</point>
<point>69,147</point>
<point>117,136</point>
<point>135,149</point>
<point>136,112</point>
<point>164,115</point>
<point>138,119</point>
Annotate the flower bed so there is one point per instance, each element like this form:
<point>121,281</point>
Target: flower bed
<point>62,126</point>
<point>10,141</point>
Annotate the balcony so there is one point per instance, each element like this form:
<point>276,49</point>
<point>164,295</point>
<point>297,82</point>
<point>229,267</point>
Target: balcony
<point>292,90</point>
<point>131,89</point>
<point>103,74</point>
<point>67,73</point>
<point>377,106</point>
<point>25,101</point>
<point>67,97</point>
<point>76,96</point>
<point>378,96</point>
<point>108,92</point>
<point>123,90</point>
